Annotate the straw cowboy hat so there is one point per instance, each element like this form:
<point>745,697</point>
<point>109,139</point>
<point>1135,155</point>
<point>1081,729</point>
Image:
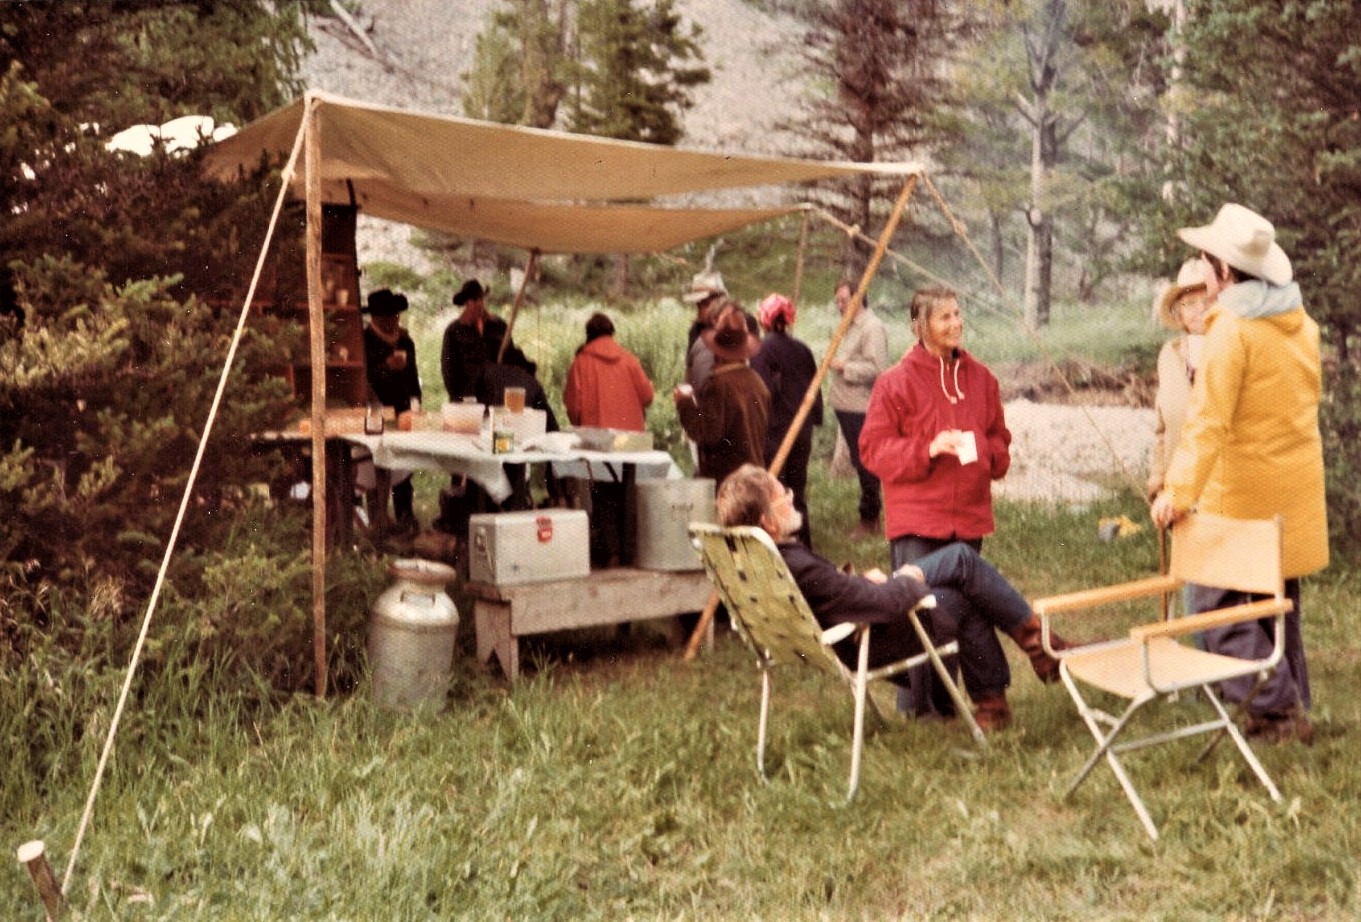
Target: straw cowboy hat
<point>703,286</point>
<point>1189,278</point>
<point>1245,240</point>
<point>731,337</point>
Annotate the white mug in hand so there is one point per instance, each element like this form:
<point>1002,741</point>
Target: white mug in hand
<point>966,448</point>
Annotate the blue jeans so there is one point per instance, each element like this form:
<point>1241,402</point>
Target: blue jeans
<point>973,603</point>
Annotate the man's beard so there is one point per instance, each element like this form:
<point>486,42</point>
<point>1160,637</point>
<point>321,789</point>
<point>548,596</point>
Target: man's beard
<point>790,521</point>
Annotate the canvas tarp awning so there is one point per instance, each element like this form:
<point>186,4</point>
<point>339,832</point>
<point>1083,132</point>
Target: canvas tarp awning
<point>548,191</point>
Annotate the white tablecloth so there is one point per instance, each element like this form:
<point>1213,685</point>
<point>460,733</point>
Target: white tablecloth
<point>465,454</point>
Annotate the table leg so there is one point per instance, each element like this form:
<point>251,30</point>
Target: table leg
<point>628,528</point>
<point>339,493</point>
<point>492,623</point>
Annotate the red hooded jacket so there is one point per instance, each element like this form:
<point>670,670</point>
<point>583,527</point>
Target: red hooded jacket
<point>607,387</point>
<point>912,402</point>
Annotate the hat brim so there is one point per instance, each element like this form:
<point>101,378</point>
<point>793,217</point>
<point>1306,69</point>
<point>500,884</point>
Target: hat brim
<point>730,354</point>
<point>1274,267</point>
<point>1167,299</point>
<point>696,297</point>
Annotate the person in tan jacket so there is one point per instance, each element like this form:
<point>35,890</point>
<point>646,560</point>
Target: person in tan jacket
<point>860,360</point>
<point>1251,448</point>
<point>1180,307</point>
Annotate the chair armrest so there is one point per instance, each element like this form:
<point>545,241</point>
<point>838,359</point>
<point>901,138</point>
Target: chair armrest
<point>1190,624</point>
<point>837,633</point>
<point>1104,595</point>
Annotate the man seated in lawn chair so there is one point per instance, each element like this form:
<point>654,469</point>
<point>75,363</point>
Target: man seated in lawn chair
<point>973,600</point>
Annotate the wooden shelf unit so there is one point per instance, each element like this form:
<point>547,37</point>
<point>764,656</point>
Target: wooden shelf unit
<point>346,375</point>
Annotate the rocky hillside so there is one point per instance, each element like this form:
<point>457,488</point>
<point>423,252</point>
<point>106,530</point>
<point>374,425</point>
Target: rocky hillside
<point>413,53</point>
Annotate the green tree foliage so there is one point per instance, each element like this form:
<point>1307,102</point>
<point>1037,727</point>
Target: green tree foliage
<point>1274,121</point>
<point>519,64</point>
<point>877,92</point>
<point>1071,90</point>
<point>125,270</point>
<point>629,76</point>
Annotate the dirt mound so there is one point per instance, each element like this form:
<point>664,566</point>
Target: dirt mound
<point>1074,382</point>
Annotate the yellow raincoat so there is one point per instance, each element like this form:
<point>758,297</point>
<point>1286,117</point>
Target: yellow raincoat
<point>1250,446</point>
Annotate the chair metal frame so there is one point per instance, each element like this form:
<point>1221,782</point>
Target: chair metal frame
<point>1150,664</point>
<point>771,615</point>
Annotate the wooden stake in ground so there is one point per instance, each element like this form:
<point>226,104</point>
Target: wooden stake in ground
<point>316,321</point>
<point>810,396</point>
<point>33,855</point>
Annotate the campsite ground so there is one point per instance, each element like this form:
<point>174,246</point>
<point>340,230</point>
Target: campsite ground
<point>616,780</point>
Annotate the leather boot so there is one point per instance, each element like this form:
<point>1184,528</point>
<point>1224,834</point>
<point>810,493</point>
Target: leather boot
<point>1028,637</point>
<point>991,712</point>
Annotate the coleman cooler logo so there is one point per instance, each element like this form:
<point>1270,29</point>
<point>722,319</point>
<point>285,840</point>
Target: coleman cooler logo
<point>545,524</point>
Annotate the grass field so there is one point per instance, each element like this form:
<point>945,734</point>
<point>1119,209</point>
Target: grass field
<point>616,781</point>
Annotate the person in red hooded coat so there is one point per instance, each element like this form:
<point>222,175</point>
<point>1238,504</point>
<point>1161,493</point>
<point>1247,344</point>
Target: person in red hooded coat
<point>606,385</point>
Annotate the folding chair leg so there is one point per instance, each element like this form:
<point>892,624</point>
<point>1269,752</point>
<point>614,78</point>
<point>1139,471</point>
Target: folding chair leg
<point>1240,711</point>
<point>861,683</point>
<point>1104,748</point>
<point>763,724</point>
<point>1231,729</point>
<point>961,706</point>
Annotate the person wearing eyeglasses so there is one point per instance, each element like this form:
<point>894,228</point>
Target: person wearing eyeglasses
<point>1251,448</point>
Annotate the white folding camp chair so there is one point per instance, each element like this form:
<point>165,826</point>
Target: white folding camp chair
<point>1150,664</point>
<point>772,617</point>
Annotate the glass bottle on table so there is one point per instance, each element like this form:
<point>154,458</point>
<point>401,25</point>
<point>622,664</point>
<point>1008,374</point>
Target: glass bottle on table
<point>373,418</point>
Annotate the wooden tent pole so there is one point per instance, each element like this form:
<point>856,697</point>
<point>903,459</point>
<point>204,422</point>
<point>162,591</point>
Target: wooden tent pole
<point>515,306</point>
<point>316,322</point>
<point>777,463</point>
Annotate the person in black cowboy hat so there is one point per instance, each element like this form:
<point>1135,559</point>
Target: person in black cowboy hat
<point>473,341</point>
<point>390,360</point>
<point>468,364</point>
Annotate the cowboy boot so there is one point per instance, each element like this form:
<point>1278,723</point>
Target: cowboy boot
<point>991,712</point>
<point>1029,637</point>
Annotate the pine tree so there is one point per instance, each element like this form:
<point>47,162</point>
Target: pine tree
<point>879,73</point>
<point>629,77</point>
<point>121,267</point>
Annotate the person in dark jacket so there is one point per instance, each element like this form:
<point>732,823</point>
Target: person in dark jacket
<point>973,600</point>
<point>727,417</point>
<point>473,341</point>
<point>787,367</point>
<point>390,361</point>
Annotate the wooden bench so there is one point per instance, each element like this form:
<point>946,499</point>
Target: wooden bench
<point>504,614</point>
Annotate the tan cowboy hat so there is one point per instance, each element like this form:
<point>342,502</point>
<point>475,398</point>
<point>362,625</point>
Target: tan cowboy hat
<point>703,286</point>
<point>1245,240</point>
<point>731,338</point>
<point>1189,278</point>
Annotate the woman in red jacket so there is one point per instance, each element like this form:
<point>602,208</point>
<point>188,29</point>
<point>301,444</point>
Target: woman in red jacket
<point>606,389</point>
<point>606,385</point>
<point>936,437</point>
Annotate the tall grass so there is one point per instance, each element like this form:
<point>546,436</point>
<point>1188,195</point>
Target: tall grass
<point>616,780</point>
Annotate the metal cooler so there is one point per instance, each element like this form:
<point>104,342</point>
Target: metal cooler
<point>534,546</point>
